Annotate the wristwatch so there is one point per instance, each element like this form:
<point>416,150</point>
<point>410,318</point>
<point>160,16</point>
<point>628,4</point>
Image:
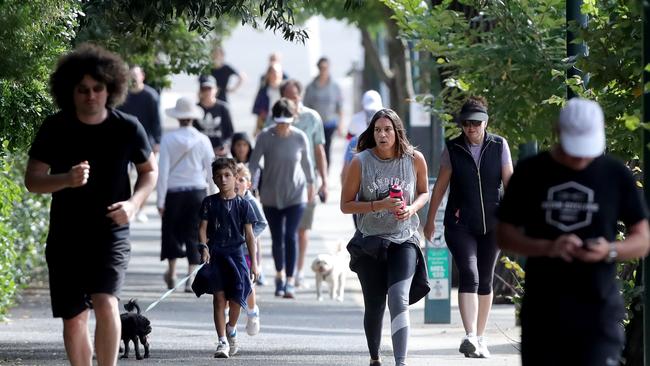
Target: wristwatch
<point>612,254</point>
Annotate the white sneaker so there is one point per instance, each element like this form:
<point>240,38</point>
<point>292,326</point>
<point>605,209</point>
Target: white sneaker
<point>253,322</point>
<point>482,347</point>
<point>469,346</point>
<point>231,335</point>
<point>222,350</point>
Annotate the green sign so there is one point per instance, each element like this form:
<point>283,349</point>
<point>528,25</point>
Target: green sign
<point>438,268</point>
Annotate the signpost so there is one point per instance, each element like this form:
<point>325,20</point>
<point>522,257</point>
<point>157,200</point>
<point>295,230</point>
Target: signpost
<point>437,305</point>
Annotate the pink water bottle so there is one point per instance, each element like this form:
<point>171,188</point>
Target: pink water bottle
<point>395,191</point>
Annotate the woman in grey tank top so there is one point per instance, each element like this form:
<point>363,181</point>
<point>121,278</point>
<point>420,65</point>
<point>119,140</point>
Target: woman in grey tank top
<point>387,250</point>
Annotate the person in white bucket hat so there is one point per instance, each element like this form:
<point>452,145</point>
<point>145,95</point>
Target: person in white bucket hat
<point>185,109</point>
<point>561,209</point>
<point>185,175</point>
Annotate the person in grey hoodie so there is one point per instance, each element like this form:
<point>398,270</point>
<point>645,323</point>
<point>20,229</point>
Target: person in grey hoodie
<point>185,162</point>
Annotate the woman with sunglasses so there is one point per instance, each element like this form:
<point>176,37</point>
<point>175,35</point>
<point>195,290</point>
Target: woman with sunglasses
<point>474,165</point>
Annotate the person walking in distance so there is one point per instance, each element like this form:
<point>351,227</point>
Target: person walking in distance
<point>309,122</point>
<point>226,224</point>
<point>562,210</point>
<point>385,251</point>
<point>185,174</point>
<point>143,102</point>
<point>222,73</point>
<point>324,95</point>
<point>216,122</point>
<point>288,186</point>
<point>474,165</point>
<point>267,95</point>
<point>81,155</point>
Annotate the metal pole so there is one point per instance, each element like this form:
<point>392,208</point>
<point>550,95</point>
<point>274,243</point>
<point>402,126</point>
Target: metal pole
<point>573,50</point>
<point>646,181</point>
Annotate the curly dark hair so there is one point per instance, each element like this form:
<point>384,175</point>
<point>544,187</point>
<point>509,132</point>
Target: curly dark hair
<point>224,163</point>
<point>402,145</point>
<point>89,59</point>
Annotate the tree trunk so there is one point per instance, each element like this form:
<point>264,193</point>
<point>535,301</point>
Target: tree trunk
<point>401,86</point>
<point>398,75</point>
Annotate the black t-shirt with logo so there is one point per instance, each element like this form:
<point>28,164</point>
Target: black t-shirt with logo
<point>216,124</point>
<point>78,215</point>
<point>547,199</point>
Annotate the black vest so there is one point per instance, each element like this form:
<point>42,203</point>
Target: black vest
<point>474,190</point>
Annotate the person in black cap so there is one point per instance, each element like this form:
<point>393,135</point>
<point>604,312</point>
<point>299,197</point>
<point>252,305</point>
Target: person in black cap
<point>474,165</point>
<point>216,122</point>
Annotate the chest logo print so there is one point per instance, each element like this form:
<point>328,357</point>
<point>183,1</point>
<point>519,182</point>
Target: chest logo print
<point>569,206</point>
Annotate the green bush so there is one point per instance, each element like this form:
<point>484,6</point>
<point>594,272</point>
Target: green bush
<point>23,228</point>
<point>33,34</point>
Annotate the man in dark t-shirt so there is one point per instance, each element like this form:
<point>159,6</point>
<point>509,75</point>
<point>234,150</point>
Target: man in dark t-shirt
<point>222,72</point>
<point>144,103</point>
<point>561,209</point>
<point>81,155</point>
<point>216,122</point>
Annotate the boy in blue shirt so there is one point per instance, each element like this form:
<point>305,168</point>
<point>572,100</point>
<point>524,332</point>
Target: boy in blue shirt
<point>226,224</point>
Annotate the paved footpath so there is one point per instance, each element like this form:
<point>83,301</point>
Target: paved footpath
<point>294,332</point>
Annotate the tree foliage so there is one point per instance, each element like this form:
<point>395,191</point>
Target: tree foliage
<point>614,67</point>
<point>33,35</point>
<point>142,16</point>
<point>505,51</point>
<point>514,53</point>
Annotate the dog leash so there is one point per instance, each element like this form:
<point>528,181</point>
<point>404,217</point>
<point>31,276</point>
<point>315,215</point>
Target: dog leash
<point>178,284</point>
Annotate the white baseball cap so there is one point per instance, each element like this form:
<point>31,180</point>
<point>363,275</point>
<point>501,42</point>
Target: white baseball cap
<point>371,101</point>
<point>582,128</point>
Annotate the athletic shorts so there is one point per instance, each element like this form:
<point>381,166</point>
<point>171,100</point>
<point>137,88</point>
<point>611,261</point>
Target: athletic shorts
<point>307,219</point>
<point>75,274</point>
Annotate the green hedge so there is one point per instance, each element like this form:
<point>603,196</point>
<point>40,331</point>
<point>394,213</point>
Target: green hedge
<point>23,228</point>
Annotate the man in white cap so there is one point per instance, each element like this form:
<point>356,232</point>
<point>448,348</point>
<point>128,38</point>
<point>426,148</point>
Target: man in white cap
<point>185,162</point>
<point>561,210</point>
<point>371,102</point>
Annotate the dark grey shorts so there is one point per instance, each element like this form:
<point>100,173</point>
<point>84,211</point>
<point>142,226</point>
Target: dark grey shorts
<point>307,219</point>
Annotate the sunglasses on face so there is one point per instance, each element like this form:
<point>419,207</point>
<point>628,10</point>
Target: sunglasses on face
<point>471,123</point>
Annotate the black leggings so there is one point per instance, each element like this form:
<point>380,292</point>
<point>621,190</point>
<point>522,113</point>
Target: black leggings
<point>391,277</point>
<point>475,256</point>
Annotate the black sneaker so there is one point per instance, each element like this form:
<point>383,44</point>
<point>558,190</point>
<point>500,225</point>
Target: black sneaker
<point>469,347</point>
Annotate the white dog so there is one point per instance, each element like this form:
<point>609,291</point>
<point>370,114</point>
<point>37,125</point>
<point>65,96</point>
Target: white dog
<point>331,268</point>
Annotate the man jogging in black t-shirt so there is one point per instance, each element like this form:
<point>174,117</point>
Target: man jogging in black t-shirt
<point>561,209</point>
<point>81,155</point>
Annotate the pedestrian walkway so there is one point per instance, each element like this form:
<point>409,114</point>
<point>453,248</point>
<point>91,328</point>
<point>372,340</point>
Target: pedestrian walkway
<point>303,331</point>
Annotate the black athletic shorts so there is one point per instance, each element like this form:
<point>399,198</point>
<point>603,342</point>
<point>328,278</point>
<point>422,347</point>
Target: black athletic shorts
<point>78,270</point>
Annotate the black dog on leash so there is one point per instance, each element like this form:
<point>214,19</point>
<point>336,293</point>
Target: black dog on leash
<point>135,326</point>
